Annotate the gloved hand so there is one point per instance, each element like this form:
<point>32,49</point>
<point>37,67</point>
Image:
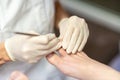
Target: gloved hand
<point>31,48</point>
<point>74,33</point>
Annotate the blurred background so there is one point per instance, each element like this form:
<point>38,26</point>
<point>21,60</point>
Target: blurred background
<point>103,18</point>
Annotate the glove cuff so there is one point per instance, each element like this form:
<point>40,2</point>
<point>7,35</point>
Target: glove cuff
<point>8,51</point>
<point>62,22</point>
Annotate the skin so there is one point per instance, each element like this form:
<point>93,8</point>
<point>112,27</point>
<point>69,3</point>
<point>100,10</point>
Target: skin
<point>82,67</point>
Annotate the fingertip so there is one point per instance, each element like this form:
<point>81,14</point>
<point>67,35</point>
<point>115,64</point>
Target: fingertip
<point>59,45</point>
<point>64,46</point>
<point>68,51</point>
<point>40,39</point>
<point>51,36</point>
<point>79,50</point>
<point>73,51</point>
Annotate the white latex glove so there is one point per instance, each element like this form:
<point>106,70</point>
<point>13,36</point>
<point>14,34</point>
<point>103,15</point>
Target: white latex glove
<point>74,33</point>
<point>31,48</point>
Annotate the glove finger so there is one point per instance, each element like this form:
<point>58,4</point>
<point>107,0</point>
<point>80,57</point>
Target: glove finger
<point>55,47</point>
<point>43,39</point>
<point>86,34</point>
<point>40,39</point>
<point>45,52</point>
<point>73,40</point>
<point>81,23</point>
<point>48,46</point>
<point>32,47</point>
<point>63,26</point>
<point>52,43</point>
<point>51,36</point>
<point>78,41</point>
<point>67,37</point>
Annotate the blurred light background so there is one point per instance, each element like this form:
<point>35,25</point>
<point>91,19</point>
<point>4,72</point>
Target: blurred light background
<point>103,18</point>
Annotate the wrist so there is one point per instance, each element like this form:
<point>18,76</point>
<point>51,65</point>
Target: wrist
<point>3,54</point>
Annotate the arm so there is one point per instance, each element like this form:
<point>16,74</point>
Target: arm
<point>3,54</point>
<point>60,13</point>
